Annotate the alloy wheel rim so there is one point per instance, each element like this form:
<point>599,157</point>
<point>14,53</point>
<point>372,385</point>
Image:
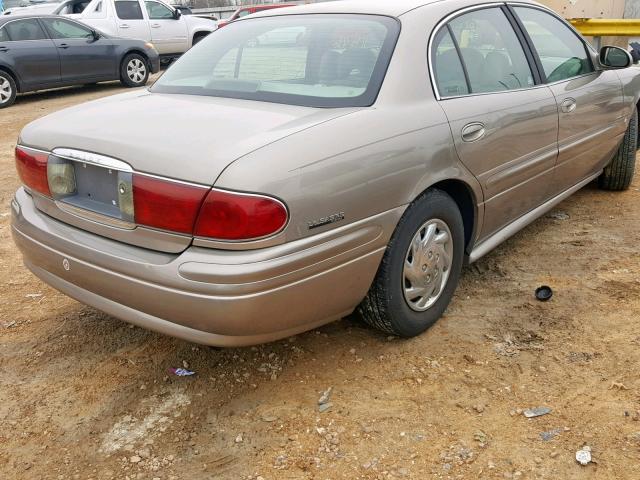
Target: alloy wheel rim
<point>5,90</point>
<point>136,70</point>
<point>427,265</point>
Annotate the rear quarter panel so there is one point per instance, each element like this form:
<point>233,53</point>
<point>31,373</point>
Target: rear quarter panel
<point>369,161</point>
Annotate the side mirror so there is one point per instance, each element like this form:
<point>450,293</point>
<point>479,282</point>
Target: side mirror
<point>96,35</point>
<point>177,14</point>
<point>615,57</point>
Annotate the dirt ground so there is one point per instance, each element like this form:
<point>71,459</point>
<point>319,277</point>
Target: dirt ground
<point>83,395</point>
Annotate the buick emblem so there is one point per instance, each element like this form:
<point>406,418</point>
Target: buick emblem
<point>66,265</point>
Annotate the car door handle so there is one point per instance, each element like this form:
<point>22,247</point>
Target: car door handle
<point>124,25</point>
<point>63,46</point>
<point>4,49</point>
<point>155,25</point>
<point>473,131</point>
<point>568,105</point>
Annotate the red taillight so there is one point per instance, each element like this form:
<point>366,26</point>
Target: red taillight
<point>32,169</point>
<point>175,206</point>
<point>165,204</point>
<point>238,216</point>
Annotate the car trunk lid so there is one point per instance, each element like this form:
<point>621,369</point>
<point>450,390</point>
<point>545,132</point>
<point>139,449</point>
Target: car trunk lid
<point>191,139</point>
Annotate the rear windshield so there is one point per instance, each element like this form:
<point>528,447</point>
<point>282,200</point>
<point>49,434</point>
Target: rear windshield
<point>310,60</point>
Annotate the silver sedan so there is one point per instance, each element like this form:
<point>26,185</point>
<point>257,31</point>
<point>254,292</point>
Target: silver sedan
<point>306,162</point>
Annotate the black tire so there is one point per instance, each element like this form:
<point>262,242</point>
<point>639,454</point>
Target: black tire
<point>8,90</point>
<point>385,306</point>
<point>618,175</point>
<point>134,70</point>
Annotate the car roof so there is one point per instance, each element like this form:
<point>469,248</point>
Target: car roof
<point>268,6</point>
<point>393,8</point>
<point>7,18</point>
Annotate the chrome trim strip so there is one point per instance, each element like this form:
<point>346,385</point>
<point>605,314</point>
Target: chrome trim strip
<point>32,149</point>
<point>172,180</point>
<point>94,216</point>
<point>435,31</point>
<point>514,227</point>
<point>93,159</point>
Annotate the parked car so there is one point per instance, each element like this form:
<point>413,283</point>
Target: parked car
<point>71,8</point>
<point>356,172</point>
<point>151,20</point>
<point>30,7</point>
<point>187,11</point>
<point>248,10</point>
<point>39,52</point>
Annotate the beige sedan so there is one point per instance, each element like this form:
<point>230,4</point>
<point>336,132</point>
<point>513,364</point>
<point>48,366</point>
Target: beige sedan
<point>306,162</point>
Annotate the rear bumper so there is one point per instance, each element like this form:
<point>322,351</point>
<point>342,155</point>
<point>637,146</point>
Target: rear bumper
<point>214,297</point>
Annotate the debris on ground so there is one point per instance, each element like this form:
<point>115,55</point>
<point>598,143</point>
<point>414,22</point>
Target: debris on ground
<point>583,456</point>
<point>508,347</point>
<point>549,435</point>
<point>326,395</point>
<point>481,438</point>
<point>559,216</point>
<point>181,372</point>
<point>618,385</point>
<point>544,293</point>
<point>324,407</point>
<point>536,412</point>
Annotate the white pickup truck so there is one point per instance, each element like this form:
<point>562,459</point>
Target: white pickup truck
<point>152,20</point>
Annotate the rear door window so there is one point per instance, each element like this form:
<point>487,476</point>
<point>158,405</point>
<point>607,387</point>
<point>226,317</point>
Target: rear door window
<point>479,52</point>
<point>27,29</point>
<point>449,73</point>
<point>128,10</point>
<point>562,53</point>
<point>492,54</point>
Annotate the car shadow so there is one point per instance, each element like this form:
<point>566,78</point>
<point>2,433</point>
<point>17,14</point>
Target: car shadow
<point>74,90</point>
<point>40,95</point>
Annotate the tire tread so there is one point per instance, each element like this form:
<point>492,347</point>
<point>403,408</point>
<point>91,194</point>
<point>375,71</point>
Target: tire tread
<point>618,175</point>
<point>374,308</point>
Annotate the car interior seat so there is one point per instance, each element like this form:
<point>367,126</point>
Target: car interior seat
<point>449,74</point>
<point>356,66</point>
<point>328,69</point>
<point>496,72</point>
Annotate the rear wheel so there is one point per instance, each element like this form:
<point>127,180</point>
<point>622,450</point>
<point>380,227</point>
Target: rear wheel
<point>134,71</point>
<point>619,173</point>
<point>420,268</point>
<point>8,90</point>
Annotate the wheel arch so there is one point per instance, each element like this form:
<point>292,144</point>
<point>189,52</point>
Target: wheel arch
<point>13,75</point>
<point>463,194</point>
<point>137,51</point>
<point>199,33</point>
